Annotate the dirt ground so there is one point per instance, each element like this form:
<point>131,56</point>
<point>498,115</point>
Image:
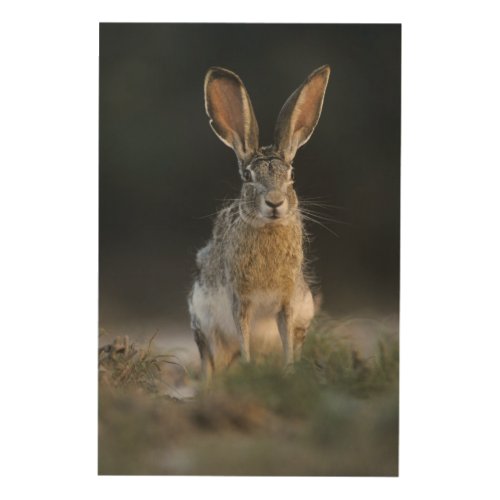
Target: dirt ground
<point>335,415</point>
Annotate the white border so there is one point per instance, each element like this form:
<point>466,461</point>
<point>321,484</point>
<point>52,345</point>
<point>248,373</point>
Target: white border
<point>450,248</point>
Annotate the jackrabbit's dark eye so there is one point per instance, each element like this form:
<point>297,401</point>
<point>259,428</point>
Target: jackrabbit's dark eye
<point>292,175</point>
<point>247,175</point>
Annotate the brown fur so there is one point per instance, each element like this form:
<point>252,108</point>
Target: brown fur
<point>254,258</point>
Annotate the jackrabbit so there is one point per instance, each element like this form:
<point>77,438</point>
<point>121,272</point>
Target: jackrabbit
<point>250,291</point>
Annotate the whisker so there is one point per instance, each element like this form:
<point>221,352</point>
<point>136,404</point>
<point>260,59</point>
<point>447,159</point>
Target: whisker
<point>309,218</point>
<point>323,216</point>
<point>320,204</point>
<point>326,228</point>
<point>206,216</point>
<point>228,203</point>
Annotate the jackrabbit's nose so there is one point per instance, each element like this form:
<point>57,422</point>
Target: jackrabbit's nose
<point>274,203</point>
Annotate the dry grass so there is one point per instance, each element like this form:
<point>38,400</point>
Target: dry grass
<point>123,366</point>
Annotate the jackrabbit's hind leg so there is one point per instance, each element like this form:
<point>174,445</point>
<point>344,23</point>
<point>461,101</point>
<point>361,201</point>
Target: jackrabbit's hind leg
<point>206,356</point>
<point>299,334</point>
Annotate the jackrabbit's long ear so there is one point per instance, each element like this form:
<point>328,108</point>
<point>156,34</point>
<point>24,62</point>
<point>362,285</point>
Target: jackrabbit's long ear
<point>230,111</point>
<point>300,113</point>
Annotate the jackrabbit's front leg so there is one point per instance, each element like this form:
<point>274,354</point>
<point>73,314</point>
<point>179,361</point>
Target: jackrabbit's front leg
<point>299,336</point>
<point>285,328</point>
<point>241,315</point>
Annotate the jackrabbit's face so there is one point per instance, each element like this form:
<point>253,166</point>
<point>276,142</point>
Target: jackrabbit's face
<point>267,194</point>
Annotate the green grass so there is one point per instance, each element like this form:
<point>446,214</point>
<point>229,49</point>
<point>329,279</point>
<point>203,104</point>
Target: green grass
<point>335,414</point>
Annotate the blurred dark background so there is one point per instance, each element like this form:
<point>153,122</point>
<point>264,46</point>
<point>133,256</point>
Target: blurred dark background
<point>162,169</point>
